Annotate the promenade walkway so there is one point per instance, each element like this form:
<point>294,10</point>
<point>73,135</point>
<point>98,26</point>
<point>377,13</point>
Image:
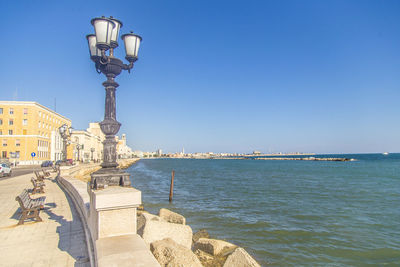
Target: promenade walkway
<point>57,241</point>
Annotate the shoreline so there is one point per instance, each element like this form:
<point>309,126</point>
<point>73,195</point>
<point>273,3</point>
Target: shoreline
<point>168,237</point>
<point>309,159</point>
<point>83,172</point>
<point>260,158</point>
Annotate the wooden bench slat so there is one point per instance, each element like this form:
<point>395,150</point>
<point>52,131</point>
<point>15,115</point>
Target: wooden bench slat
<point>45,173</point>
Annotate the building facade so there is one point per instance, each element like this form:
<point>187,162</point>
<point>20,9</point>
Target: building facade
<point>90,143</point>
<point>123,151</point>
<point>29,132</point>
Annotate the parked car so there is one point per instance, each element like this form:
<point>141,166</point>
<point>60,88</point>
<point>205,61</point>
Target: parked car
<point>61,162</point>
<point>5,169</point>
<point>47,163</point>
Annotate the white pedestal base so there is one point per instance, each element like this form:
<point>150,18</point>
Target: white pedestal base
<point>113,211</point>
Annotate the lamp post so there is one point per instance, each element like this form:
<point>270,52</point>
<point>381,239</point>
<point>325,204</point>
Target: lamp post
<point>79,148</point>
<point>101,43</point>
<point>65,132</point>
<point>92,150</point>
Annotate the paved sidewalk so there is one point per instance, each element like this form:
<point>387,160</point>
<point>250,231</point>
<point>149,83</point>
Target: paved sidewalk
<point>57,241</point>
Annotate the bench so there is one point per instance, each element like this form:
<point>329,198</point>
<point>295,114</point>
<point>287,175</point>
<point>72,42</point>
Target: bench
<point>30,207</point>
<point>37,186</point>
<point>55,168</point>
<point>39,176</point>
<point>45,173</point>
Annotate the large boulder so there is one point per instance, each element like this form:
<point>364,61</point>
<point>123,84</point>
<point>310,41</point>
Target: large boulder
<point>141,220</point>
<point>171,216</point>
<point>218,260</point>
<point>153,228</point>
<point>170,254</point>
<point>206,259</point>
<point>240,258</point>
<point>202,233</point>
<point>212,246</point>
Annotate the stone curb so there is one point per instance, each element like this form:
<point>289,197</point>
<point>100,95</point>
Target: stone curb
<point>78,200</point>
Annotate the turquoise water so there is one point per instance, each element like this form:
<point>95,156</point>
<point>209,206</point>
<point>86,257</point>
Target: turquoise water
<point>286,213</point>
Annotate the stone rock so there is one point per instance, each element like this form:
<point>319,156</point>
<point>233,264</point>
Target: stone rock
<point>141,220</point>
<point>240,258</point>
<point>171,216</point>
<point>153,228</point>
<point>205,258</point>
<point>200,234</point>
<point>214,261</point>
<point>171,254</point>
<point>140,212</point>
<point>212,246</point>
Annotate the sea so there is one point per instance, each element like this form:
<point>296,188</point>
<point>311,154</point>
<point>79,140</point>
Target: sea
<point>286,213</point>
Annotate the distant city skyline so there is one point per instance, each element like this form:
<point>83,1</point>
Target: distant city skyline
<point>221,76</point>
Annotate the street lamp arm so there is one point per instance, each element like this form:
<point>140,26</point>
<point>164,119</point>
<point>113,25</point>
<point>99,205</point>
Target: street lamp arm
<point>97,66</point>
<point>128,67</point>
<point>104,59</point>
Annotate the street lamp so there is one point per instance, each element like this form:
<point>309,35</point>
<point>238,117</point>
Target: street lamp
<point>79,147</point>
<point>105,40</point>
<point>65,132</point>
<point>92,149</point>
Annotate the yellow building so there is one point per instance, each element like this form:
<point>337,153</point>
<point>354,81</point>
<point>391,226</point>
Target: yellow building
<point>28,127</point>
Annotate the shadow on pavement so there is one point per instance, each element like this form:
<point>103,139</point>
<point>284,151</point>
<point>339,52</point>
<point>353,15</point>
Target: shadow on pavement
<point>71,234</point>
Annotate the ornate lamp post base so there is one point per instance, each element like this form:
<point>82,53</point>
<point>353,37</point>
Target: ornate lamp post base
<point>109,177</point>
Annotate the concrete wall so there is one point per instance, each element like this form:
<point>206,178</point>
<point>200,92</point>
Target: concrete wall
<point>119,248</point>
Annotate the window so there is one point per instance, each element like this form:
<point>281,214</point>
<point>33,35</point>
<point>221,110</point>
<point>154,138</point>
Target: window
<point>25,111</point>
<point>1,122</point>
<point>11,111</point>
<point>1,110</point>
<point>17,142</point>
<point>10,122</point>
<point>1,132</point>
<point>24,132</point>
<point>17,154</point>
<point>4,142</point>
<point>10,132</point>
<point>4,154</point>
<point>40,114</point>
<point>39,124</point>
<point>24,122</point>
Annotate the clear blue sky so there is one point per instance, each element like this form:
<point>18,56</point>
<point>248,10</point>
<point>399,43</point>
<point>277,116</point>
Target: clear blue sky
<point>221,76</point>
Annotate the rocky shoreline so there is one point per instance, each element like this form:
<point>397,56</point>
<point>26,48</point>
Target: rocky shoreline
<point>173,243</point>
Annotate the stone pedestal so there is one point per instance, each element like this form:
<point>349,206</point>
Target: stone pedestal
<point>109,177</point>
<point>113,211</point>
